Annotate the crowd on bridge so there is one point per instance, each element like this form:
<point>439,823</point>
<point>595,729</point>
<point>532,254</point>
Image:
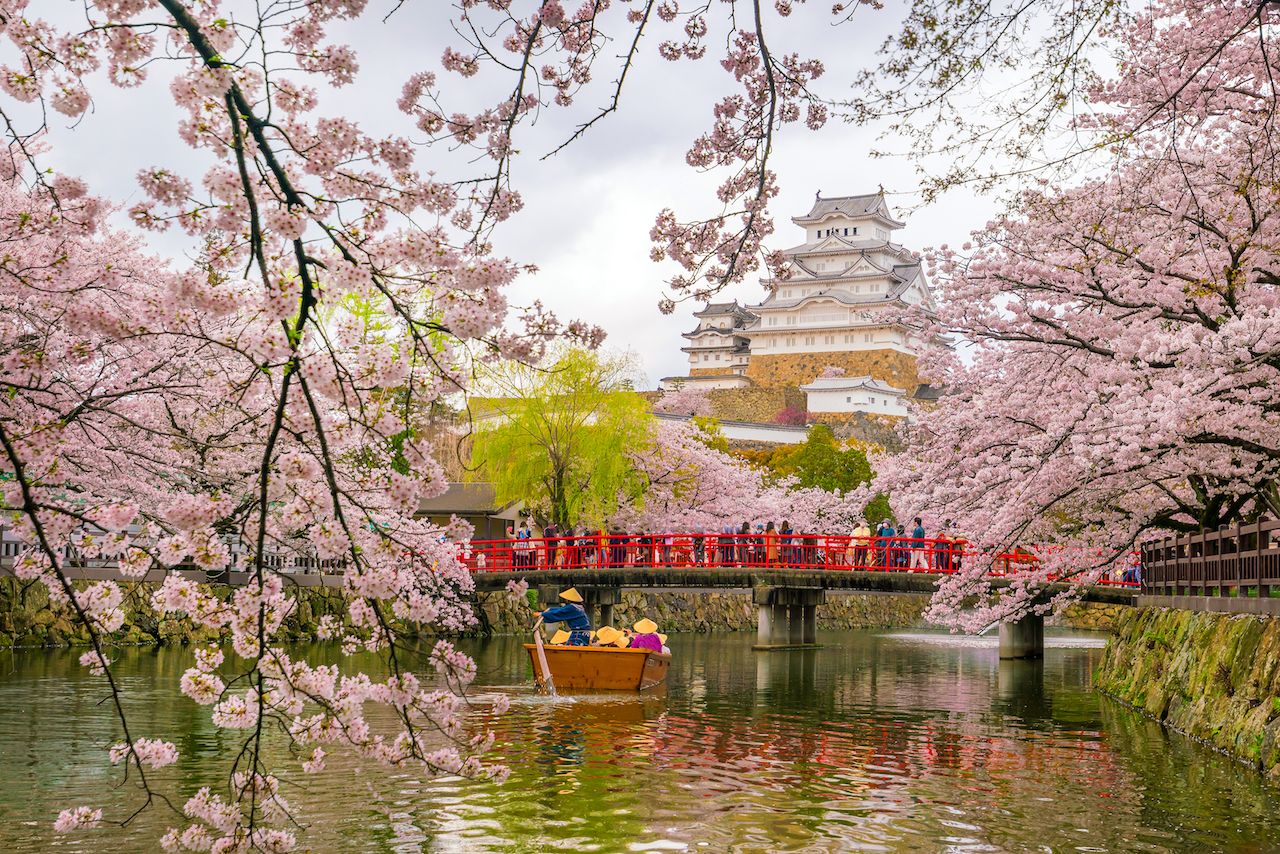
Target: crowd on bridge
<point>759,545</point>
<point>762,544</point>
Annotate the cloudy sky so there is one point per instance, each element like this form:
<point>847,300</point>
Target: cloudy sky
<point>587,210</point>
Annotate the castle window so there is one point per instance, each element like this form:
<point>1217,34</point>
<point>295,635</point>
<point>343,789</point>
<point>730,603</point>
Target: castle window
<point>846,232</point>
<point>866,337</point>
<point>773,321</point>
<point>848,339</point>
<point>873,400</point>
<point>855,229</point>
<point>717,357</point>
<point>848,400</point>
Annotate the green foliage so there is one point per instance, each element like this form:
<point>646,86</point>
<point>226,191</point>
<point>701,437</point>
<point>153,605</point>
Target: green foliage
<point>821,462</point>
<point>559,436</point>
<point>710,434</point>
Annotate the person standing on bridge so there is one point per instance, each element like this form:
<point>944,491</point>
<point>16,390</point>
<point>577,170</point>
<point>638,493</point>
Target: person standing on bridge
<point>573,615</point>
<point>884,536</point>
<point>858,542</point>
<point>919,559</point>
<point>770,544</point>
<point>549,534</point>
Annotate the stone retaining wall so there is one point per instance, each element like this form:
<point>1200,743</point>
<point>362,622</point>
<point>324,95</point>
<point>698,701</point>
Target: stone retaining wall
<point>759,405</point>
<point>27,621</point>
<point>1214,677</point>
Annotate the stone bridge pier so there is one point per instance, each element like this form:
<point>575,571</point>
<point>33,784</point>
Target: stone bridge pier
<point>787,617</point>
<point>1024,638</point>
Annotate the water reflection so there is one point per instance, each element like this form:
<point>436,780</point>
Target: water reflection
<point>875,742</point>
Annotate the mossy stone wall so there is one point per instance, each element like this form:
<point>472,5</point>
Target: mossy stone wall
<point>1215,677</point>
<point>27,620</point>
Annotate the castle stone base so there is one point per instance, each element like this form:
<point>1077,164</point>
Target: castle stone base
<point>796,369</point>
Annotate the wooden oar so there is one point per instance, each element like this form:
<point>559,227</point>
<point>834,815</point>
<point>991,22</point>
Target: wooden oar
<point>548,684</point>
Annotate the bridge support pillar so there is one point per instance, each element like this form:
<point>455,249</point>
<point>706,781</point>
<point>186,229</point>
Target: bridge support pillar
<point>1023,639</point>
<point>599,602</point>
<point>787,617</point>
<point>795,633</point>
<point>809,632</point>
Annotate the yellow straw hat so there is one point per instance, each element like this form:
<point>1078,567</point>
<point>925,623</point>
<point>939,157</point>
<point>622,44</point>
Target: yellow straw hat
<point>571,595</point>
<point>606,635</point>
<point>559,638</point>
<point>645,626</point>
<point>662,638</point>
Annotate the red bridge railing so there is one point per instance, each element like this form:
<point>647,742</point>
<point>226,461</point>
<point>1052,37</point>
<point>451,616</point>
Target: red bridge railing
<point>754,551</point>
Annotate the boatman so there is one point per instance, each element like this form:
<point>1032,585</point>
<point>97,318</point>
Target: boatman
<point>573,615</point>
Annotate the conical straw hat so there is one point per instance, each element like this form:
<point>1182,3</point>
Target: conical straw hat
<point>662,638</point>
<point>559,638</point>
<point>645,626</point>
<point>606,635</point>
<point>571,595</point>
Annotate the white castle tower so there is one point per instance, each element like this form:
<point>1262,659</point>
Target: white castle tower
<point>839,307</point>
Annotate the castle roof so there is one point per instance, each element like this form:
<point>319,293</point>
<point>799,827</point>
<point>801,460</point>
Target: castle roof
<point>871,204</point>
<point>719,309</point>
<point>711,330</point>
<point>901,276</point>
<point>839,243</point>
<point>851,384</point>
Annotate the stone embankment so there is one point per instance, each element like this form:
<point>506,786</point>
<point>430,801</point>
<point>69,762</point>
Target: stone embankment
<point>27,621</point>
<point>1212,676</point>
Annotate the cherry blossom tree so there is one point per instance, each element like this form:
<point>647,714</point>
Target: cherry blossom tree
<point>268,402</point>
<point>686,483</point>
<point>687,401</point>
<point>1121,372</point>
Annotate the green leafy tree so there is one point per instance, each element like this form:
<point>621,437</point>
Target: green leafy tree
<point>558,437</point>
<point>822,462</point>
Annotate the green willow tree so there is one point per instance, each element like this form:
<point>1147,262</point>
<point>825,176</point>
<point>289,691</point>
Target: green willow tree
<point>557,437</point>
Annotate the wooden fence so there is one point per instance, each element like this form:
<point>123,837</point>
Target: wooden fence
<point>1243,560</point>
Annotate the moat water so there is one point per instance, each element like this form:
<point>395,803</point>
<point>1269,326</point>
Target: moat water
<point>879,741</point>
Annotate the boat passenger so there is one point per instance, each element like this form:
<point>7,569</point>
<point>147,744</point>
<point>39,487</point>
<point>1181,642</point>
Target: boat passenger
<point>607,636</point>
<point>560,638</point>
<point>646,636</point>
<point>573,615</point>
<point>666,650</point>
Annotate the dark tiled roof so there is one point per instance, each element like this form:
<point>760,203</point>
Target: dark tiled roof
<point>847,205</point>
<point>460,499</point>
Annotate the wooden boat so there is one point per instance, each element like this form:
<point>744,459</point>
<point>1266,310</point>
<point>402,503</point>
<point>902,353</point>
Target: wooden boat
<point>601,668</point>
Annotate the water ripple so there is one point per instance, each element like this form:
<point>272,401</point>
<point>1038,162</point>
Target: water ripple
<point>904,741</point>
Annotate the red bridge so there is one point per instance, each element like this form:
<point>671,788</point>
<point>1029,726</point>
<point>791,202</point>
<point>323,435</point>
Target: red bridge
<point>600,551</point>
<point>788,575</point>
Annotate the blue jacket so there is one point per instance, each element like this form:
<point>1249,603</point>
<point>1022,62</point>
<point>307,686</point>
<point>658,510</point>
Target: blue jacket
<point>918,533</point>
<point>571,614</point>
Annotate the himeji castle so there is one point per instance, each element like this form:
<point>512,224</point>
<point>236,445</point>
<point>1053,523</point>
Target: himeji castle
<point>840,306</point>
